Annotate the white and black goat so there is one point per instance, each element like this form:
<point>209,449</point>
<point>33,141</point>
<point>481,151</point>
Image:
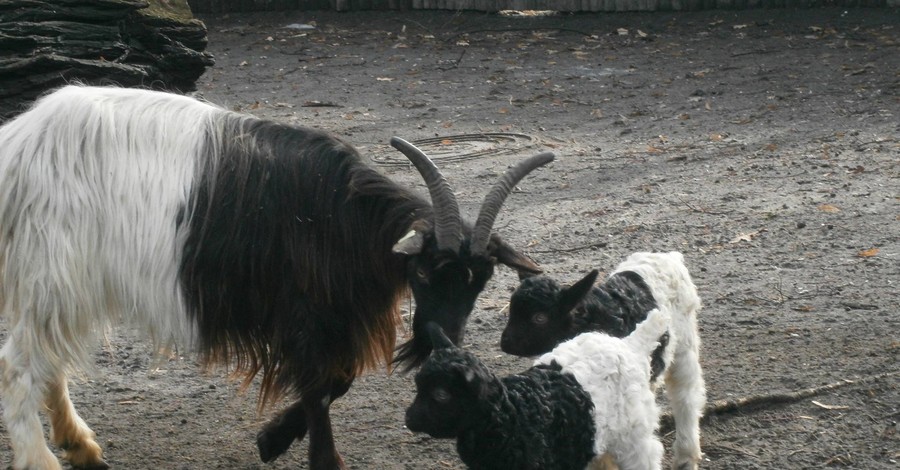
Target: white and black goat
<point>273,249</point>
<point>542,314</point>
<point>588,401</point>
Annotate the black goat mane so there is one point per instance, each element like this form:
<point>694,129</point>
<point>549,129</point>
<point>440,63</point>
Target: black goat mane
<point>289,242</point>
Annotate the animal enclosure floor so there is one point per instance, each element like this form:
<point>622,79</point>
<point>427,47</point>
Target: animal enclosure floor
<point>764,145</point>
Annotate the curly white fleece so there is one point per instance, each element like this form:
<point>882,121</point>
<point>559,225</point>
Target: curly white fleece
<point>616,374</point>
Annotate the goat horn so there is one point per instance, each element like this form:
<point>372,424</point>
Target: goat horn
<point>494,200</point>
<point>447,223</point>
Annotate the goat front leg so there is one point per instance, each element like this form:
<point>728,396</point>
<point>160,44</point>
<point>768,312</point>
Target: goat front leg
<point>69,432</point>
<point>280,432</point>
<point>322,452</point>
<point>276,436</point>
<point>20,398</point>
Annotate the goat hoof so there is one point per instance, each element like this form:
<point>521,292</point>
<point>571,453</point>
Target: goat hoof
<point>272,445</point>
<point>101,465</point>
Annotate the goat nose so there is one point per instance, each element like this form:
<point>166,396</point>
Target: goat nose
<point>410,421</point>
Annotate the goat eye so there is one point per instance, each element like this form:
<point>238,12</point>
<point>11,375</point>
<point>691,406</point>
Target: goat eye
<point>539,318</point>
<point>440,395</point>
<point>422,274</point>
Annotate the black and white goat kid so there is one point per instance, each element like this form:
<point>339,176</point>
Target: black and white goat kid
<point>586,402</point>
<point>543,314</point>
<point>274,249</point>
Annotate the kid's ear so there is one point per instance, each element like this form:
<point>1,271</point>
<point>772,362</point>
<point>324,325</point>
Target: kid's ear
<point>438,339</point>
<point>480,385</point>
<point>572,296</point>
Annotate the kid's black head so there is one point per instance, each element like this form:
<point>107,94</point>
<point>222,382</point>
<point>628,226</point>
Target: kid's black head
<point>449,387</point>
<point>448,261</point>
<point>541,314</point>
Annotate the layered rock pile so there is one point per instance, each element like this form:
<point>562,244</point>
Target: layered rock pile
<point>147,43</point>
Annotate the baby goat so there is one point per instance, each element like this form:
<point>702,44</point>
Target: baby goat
<point>542,315</point>
<point>587,401</point>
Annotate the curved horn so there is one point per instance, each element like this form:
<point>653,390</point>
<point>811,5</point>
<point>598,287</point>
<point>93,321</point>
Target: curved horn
<point>481,234</point>
<point>447,223</point>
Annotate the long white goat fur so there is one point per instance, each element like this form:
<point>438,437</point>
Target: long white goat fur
<point>101,239</point>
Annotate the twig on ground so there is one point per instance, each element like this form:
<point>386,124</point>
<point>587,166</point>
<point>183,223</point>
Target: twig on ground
<point>576,248</point>
<point>752,402</point>
<point>455,64</point>
<point>701,210</point>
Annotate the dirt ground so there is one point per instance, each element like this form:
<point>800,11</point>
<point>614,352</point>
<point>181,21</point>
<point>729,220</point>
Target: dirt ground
<point>764,145</point>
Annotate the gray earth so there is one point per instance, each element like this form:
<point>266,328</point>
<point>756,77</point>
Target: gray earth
<point>764,145</point>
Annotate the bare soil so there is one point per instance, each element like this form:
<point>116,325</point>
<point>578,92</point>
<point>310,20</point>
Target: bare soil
<point>764,145</point>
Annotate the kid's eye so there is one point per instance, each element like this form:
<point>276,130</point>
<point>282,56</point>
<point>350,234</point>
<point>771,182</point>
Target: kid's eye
<point>440,395</point>
<point>539,318</point>
<point>422,274</point>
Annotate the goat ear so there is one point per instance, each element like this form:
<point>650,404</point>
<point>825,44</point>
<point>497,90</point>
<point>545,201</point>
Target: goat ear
<point>505,254</point>
<point>410,244</point>
<point>572,296</point>
<point>438,339</point>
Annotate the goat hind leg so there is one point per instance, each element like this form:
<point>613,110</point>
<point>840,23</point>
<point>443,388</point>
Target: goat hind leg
<point>687,397</point>
<point>20,394</point>
<point>69,432</point>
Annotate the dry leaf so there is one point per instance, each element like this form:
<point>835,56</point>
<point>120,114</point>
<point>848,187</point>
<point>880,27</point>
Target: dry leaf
<point>447,125</point>
<point>716,137</point>
<point>462,43</point>
<point>622,32</point>
<point>446,142</point>
<point>828,208</point>
<point>503,111</point>
<point>747,237</point>
<point>384,79</point>
<point>772,147</point>
<point>868,253</point>
<point>742,237</point>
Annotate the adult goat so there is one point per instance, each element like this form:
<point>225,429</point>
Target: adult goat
<point>272,249</point>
